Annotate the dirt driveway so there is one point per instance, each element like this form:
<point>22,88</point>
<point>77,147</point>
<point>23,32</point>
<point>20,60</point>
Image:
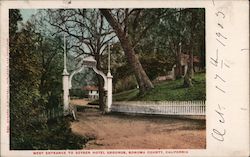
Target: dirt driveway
<point>80,102</point>
<point>117,131</point>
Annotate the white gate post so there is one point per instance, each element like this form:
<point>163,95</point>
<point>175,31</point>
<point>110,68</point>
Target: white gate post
<point>109,83</point>
<point>65,92</point>
<point>65,83</point>
<point>109,91</point>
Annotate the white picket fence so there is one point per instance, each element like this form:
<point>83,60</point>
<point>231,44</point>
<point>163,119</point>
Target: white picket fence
<point>160,107</point>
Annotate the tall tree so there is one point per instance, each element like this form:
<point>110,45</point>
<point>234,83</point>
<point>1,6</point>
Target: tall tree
<point>192,45</point>
<point>29,127</point>
<point>122,33</point>
<point>165,40</point>
<point>172,35</point>
<point>88,32</point>
<point>25,102</point>
<point>49,49</point>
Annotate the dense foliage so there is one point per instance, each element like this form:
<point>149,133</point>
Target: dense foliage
<point>158,37</point>
<point>35,65</point>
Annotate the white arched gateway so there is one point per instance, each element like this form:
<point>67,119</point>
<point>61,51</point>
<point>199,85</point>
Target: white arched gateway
<point>88,62</point>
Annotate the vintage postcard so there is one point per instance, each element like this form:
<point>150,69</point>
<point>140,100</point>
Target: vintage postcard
<point>124,78</point>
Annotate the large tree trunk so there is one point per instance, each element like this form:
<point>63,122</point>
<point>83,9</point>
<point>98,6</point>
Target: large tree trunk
<point>101,93</point>
<point>179,70</point>
<point>190,71</point>
<point>144,82</point>
<point>100,85</point>
<point>178,73</point>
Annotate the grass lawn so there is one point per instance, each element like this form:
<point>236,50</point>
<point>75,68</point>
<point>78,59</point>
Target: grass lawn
<point>169,90</point>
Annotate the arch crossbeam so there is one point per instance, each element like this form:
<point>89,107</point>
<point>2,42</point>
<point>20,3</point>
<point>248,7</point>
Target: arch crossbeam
<point>90,62</point>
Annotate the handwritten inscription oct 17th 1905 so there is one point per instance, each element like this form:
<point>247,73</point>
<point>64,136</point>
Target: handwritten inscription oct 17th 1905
<point>220,65</point>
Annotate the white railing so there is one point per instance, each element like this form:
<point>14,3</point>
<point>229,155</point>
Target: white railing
<point>160,107</point>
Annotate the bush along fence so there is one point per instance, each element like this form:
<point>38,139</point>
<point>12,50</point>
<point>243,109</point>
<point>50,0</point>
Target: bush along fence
<point>160,107</point>
<point>51,113</point>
